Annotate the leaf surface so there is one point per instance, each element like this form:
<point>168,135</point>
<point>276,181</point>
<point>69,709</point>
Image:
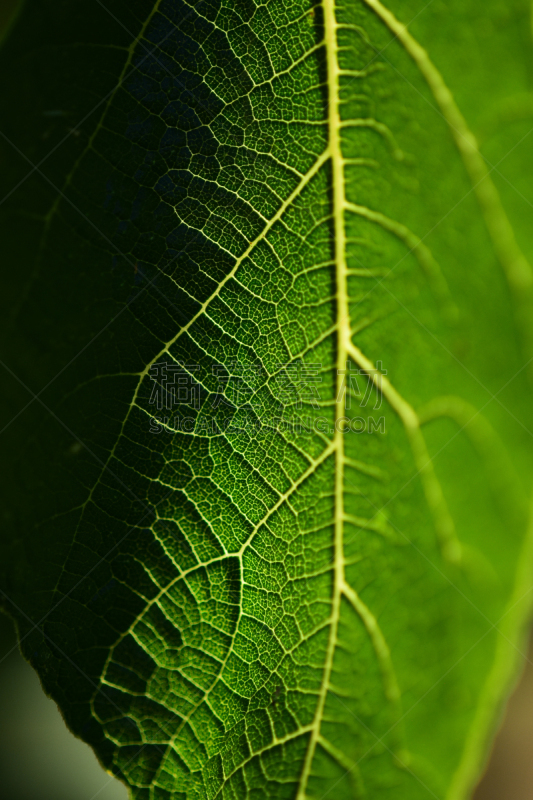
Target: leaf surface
<point>307,574</point>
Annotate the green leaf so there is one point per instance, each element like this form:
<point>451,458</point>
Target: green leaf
<point>309,575</point>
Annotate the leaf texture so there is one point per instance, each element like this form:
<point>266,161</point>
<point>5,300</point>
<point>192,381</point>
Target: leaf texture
<point>274,599</point>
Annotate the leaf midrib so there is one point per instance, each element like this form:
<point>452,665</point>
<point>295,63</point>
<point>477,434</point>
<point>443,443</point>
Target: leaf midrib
<point>343,340</point>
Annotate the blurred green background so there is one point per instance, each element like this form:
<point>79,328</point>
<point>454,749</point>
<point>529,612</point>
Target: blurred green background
<point>509,774</point>
<point>39,758</point>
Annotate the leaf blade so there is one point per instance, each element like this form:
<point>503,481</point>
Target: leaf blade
<point>208,670</point>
